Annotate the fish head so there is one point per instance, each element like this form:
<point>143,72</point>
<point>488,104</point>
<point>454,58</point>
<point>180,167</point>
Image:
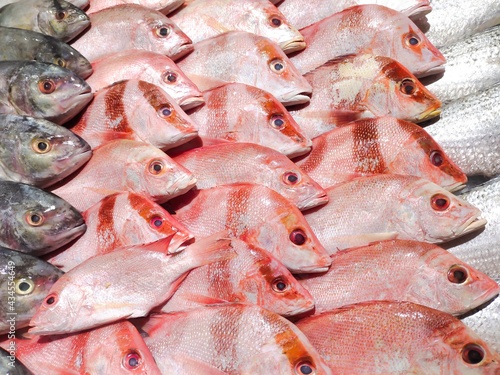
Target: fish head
<point>62,20</point>
<point>67,57</point>
<point>152,173</point>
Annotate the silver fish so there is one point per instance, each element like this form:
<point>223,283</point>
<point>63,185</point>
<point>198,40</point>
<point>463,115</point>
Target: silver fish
<point>9,365</point>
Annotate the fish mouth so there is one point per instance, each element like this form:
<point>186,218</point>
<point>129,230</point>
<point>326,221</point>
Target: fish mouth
<point>300,97</point>
<point>179,139</point>
<point>182,51</point>
<point>84,70</point>
<point>293,45</point>
<point>309,269</point>
<point>313,202</point>
<point>473,224</point>
<point>60,239</point>
<point>418,11</point>
<point>430,113</point>
<point>455,187</point>
<point>297,311</point>
<point>299,150</point>
<point>191,102</point>
<point>440,69</point>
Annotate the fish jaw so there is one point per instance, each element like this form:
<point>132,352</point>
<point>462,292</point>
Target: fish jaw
<point>294,45</point>
<point>420,9</point>
<point>72,105</point>
<point>183,50</point>
<point>191,102</point>
<point>295,97</point>
<point>317,200</point>
<point>429,114</point>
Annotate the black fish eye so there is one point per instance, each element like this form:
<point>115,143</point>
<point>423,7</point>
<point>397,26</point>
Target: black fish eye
<point>163,31</point>
<point>277,66</point>
<point>276,22</point>
<point>473,354</point>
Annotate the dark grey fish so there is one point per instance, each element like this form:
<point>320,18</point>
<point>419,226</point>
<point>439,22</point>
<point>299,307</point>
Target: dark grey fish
<point>25,281</point>
<point>35,221</point>
<point>39,152</point>
<point>9,365</point>
<point>18,44</point>
<point>56,18</point>
<point>42,90</point>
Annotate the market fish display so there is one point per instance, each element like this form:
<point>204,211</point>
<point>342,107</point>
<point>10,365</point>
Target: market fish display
<point>258,215</point>
<point>39,152</point>
<point>231,163</point>
<point>400,270</point>
<point>385,337</point>
<point>41,90</point>
<point>192,339</point>
<point>131,26</point>
<point>359,86</point>
<point>126,165</point>
<point>369,29</point>
<point>402,207</point>
<point>95,292</point>
<point>202,20</point>
<point>35,221</point>
<point>135,110</point>
<point>379,145</point>
<point>165,6</point>
<point>26,281</point>
<point>238,56</point>
<point>146,66</point>
<point>57,18</point>
<point>237,112</point>
<point>21,44</point>
<point>253,276</point>
<point>118,220</point>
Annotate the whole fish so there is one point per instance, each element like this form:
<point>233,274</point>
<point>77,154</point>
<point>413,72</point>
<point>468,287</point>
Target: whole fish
<point>29,45</point>
<point>165,6</point>
<point>125,165</point>
<point>320,9</point>
<point>38,152</point>
<point>135,110</point>
<point>57,18</point>
<point>258,215</point>
<point>35,221</point>
<point>82,353</point>
<point>118,220</point>
<point>238,56</point>
<point>242,113</point>
<point>220,337</point>
<point>370,29</point>
<point>379,145</point>
<point>9,365</point>
<point>232,163</point>
<point>353,87</point>
<point>399,338</point>
<point>26,281</point>
<point>132,26</point>
<point>462,78</point>
<point>253,276</point>
<point>95,292</point>
<point>469,134</point>
<point>202,20</point>
<point>400,270</point>
<point>41,90</point>
<point>389,206</point>
<point>146,66</point>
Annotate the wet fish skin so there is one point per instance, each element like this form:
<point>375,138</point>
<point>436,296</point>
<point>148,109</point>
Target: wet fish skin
<point>35,221</point>
<point>118,220</point>
<point>30,45</point>
<point>379,145</point>
<point>57,18</point>
<point>164,6</point>
<point>146,66</point>
<point>9,367</point>
<point>468,132</point>
<point>39,152</point>
<point>385,337</point>
<point>30,282</point>
<point>41,90</point>
<point>136,110</point>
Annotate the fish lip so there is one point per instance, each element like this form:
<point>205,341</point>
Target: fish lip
<point>293,45</point>
<point>473,224</point>
<point>297,311</point>
<point>182,51</point>
<point>455,187</point>
<point>430,113</point>
<point>418,11</point>
<point>431,71</point>
<point>314,201</point>
<point>191,102</point>
<point>293,98</point>
<point>296,151</point>
<point>309,269</point>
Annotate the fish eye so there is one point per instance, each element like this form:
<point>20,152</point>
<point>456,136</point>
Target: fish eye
<point>472,354</point>
<point>34,219</point>
<point>275,21</point>
<point>156,167</point>
<point>41,146</point>
<point>277,121</point>
<point>51,299</point>
<point>291,178</point>
<point>412,40</point>
<point>156,221</point>
<point>132,360</point>
<point>169,77</point>
<point>279,285</point>
<point>46,86</point>
<point>440,202</point>
<point>458,274</point>
<point>60,15</point>
<point>24,286</point>
<point>162,31</point>
<point>305,368</point>
<point>165,111</point>
<point>407,86</point>
<point>277,66</point>
<point>436,158</point>
<point>61,62</point>
<point>298,237</point>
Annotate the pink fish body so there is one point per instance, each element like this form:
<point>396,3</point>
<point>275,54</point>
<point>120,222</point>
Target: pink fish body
<point>388,206</point>
<point>238,56</point>
<point>370,29</point>
<point>125,165</point>
<point>257,215</point>
<point>238,112</point>
<point>131,26</point>
<point>231,163</point>
<point>118,220</point>
<point>379,145</point>
<point>135,110</point>
<point>146,66</point>
<point>165,6</point>
<point>400,270</point>
<point>359,86</point>
<point>253,276</point>
<point>399,338</point>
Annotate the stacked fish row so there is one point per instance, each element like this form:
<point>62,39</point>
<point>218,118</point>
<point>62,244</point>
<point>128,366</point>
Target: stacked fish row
<point>201,244</point>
